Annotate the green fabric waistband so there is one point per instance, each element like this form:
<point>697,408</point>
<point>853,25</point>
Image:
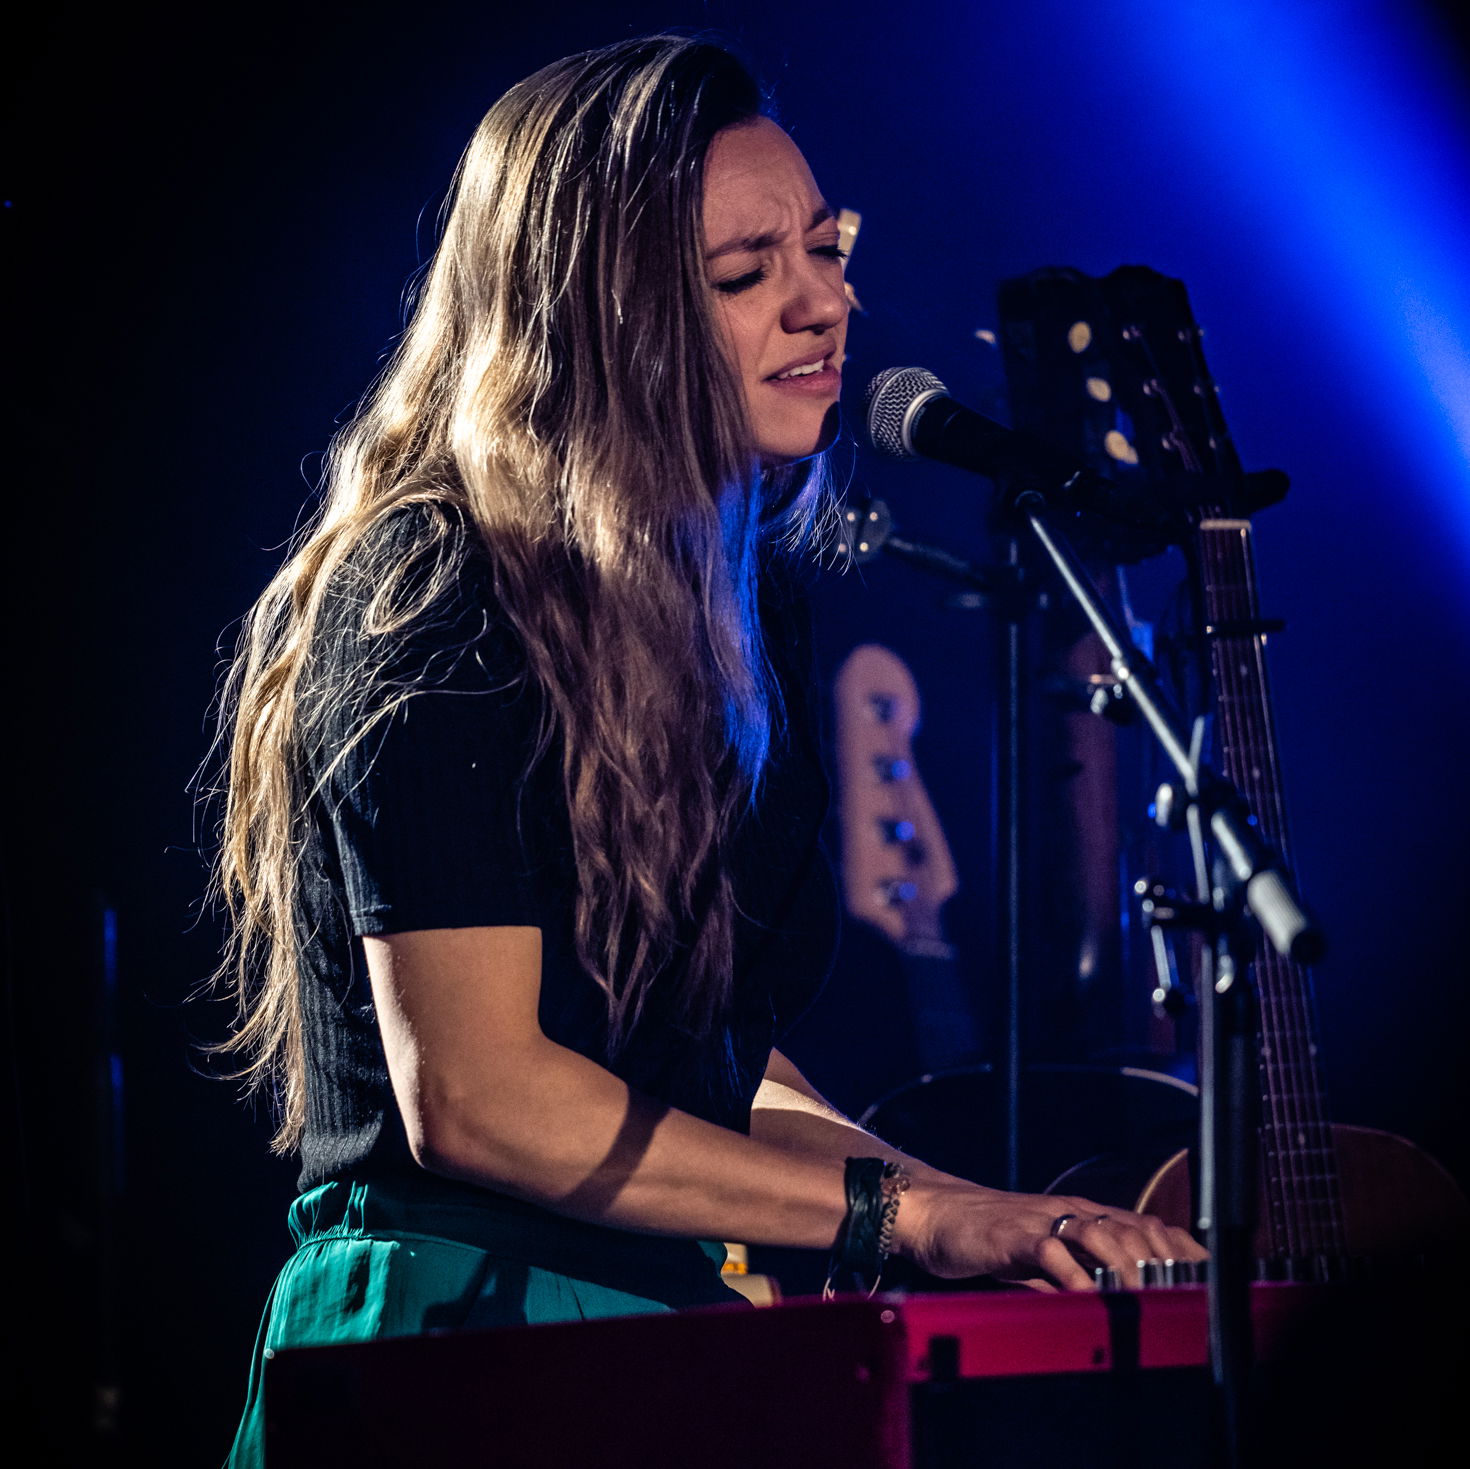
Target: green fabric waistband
<point>678,1272</point>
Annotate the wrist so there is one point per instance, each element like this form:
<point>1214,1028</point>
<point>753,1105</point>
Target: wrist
<point>866,1238</point>
<point>936,1214</point>
<point>911,1225</point>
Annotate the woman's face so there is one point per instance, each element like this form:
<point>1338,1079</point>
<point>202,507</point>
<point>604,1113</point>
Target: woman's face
<point>775,266</point>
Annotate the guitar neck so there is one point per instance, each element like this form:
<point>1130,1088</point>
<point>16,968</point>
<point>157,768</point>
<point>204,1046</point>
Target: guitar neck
<point>1303,1208</point>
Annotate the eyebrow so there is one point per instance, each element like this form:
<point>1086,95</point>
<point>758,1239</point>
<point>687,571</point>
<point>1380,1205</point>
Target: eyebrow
<point>753,243</point>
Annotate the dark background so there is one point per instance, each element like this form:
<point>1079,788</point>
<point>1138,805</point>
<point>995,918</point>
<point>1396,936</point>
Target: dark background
<point>211,221</point>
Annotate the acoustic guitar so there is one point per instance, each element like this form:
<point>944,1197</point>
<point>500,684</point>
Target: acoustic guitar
<point>1329,1192</point>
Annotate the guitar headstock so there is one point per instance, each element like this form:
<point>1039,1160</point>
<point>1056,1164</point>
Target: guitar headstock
<point>1112,370</point>
<point>896,865</point>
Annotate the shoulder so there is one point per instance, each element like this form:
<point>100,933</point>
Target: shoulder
<point>419,557</point>
<point>412,606</point>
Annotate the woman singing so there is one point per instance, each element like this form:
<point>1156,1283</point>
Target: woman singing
<point>521,830</point>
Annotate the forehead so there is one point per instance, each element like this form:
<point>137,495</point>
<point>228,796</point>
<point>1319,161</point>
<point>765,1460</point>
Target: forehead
<point>756,181</point>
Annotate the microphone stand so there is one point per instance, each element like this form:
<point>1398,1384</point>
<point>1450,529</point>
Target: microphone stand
<point>1245,874</point>
<point>1005,590</point>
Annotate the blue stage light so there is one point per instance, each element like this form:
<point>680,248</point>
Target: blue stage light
<point>1345,130</point>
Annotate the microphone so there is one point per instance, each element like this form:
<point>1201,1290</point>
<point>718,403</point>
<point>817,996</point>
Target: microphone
<point>910,414</point>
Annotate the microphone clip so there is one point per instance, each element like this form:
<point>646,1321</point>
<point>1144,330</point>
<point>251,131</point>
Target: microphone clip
<point>1003,587</point>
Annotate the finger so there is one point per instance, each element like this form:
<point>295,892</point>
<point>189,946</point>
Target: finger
<point>1160,1237</point>
<point>1185,1246</point>
<point>1113,1241</point>
<point>1055,1257</point>
<point>1152,1238</point>
<point>1164,1241</point>
<point>1143,1226</point>
<point>1154,1247</point>
<point>1040,1286</point>
<point>1168,1241</point>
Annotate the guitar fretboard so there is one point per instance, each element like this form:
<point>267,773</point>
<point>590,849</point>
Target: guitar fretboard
<point>1303,1206</point>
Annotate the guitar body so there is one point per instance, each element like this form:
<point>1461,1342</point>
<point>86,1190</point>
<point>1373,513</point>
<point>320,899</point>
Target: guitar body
<point>1397,1201</point>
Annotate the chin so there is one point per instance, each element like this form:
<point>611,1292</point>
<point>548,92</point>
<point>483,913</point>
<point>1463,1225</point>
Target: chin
<point>794,448</point>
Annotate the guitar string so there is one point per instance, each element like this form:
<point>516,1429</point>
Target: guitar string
<point>1307,1212</point>
<point>1242,732</point>
<point>1326,1230</point>
<point>1299,1136</point>
<point>1246,737</point>
<point>1321,1198</point>
<point>1230,707</point>
<point>1236,710</point>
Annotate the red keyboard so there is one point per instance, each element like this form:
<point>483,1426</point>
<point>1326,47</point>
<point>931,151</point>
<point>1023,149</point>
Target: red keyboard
<point>944,1381</point>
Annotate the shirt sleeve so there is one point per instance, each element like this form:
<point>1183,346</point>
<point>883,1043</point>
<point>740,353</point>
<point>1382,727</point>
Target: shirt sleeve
<point>435,815</point>
<point>431,824</point>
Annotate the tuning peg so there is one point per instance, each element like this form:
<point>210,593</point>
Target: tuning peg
<point>898,892</point>
<point>897,831</point>
<point>891,768</point>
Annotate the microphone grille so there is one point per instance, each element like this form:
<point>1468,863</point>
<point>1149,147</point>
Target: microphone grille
<point>890,397</point>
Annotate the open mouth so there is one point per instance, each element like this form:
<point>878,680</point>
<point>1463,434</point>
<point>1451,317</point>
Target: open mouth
<point>815,372</point>
<point>806,370</point>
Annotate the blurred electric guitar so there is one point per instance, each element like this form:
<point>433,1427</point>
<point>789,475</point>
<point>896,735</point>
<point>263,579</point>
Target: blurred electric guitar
<point>897,871</point>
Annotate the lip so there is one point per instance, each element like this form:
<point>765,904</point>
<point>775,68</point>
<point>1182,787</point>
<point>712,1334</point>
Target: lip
<point>821,381</point>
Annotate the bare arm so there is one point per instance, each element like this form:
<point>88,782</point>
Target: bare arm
<point>487,1097</point>
<point>789,1112</point>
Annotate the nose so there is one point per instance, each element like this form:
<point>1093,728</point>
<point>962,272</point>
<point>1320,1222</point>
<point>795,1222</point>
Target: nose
<point>816,300</point>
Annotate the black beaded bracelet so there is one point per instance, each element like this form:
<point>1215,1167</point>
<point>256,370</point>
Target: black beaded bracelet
<point>865,1236</point>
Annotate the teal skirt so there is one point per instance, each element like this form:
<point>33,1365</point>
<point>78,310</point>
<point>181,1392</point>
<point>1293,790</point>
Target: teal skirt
<point>405,1257</point>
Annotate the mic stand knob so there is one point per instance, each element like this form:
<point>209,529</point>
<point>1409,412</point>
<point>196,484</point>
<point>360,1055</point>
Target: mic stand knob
<point>1164,909</point>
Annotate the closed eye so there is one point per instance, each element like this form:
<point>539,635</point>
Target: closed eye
<point>736,284</point>
<point>740,283</point>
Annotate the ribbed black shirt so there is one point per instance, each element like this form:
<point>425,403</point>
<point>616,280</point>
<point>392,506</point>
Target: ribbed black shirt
<point>432,821</point>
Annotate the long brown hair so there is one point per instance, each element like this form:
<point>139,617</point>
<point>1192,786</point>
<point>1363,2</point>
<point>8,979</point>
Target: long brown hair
<point>560,387</point>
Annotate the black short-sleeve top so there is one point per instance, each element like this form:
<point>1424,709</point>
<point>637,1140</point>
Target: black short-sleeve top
<point>433,820</point>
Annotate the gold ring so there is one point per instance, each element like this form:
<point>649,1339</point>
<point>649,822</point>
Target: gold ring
<point>1059,1224</point>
